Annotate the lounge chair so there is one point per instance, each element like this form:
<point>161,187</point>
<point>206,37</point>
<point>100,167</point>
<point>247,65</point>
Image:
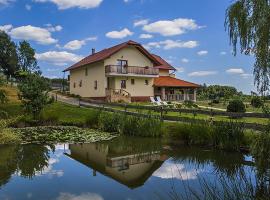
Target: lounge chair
<point>153,101</point>
<point>160,101</point>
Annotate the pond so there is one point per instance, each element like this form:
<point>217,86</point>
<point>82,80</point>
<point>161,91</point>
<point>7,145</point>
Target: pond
<point>124,168</point>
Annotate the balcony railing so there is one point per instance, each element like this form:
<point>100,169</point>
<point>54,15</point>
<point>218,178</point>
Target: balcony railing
<point>116,69</point>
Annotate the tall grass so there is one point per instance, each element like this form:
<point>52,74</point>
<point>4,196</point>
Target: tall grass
<point>130,125</point>
<point>224,135</point>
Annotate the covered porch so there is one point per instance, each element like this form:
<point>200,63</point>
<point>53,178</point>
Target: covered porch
<point>176,94</point>
<point>173,89</point>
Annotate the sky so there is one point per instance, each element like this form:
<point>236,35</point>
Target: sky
<point>189,34</point>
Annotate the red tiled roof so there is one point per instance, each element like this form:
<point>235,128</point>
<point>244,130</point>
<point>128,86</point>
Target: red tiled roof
<point>167,81</point>
<point>99,56</point>
<point>164,64</point>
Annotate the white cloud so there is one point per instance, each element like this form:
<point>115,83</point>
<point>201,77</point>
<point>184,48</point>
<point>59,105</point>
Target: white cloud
<point>127,1</point>
<point>146,36</point>
<point>180,69</point>
<point>59,58</point>
<point>28,7</point>
<point>202,53</point>
<point>171,44</point>
<point>223,53</point>
<point>119,34</point>
<point>245,75</point>
<point>37,34</point>
<point>6,2</point>
<point>6,28</point>
<point>52,28</point>
<point>66,4</point>
<point>141,22</point>
<point>177,171</point>
<point>169,28</point>
<point>77,44</point>
<point>84,196</point>
<point>235,71</point>
<point>185,60</point>
<point>202,73</point>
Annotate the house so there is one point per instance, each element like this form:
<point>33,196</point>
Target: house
<point>127,72</point>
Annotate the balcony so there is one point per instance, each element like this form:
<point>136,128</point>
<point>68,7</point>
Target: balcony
<point>117,70</point>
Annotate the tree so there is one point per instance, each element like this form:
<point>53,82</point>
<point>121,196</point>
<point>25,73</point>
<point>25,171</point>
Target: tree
<point>8,55</point>
<point>27,60</point>
<point>34,93</point>
<point>248,24</point>
<point>3,95</point>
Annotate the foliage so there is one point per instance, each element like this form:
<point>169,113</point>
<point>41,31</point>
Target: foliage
<point>214,92</point>
<point>92,119</point>
<point>51,118</point>
<point>236,105</point>
<point>3,114</point>
<point>248,25</point>
<point>7,136</point>
<point>8,55</point>
<point>26,55</point>
<point>3,97</point>
<point>34,94</point>
<point>228,135</point>
<point>190,104</point>
<point>110,122</point>
<point>256,102</point>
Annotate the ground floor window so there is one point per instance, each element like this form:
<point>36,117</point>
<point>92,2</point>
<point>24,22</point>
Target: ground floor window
<point>146,82</point>
<point>123,84</point>
<point>95,85</point>
<point>132,81</point>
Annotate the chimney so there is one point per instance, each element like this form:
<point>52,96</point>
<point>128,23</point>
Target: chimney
<point>93,51</point>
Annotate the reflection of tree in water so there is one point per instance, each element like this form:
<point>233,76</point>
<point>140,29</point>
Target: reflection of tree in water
<point>27,160</point>
<point>223,162</point>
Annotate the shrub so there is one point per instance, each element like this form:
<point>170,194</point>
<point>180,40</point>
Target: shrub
<point>8,137</point>
<point>3,97</point>
<point>256,102</point>
<point>215,101</point>
<point>228,135</point>
<point>138,126</point>
<point>109,122</point>
<point>92,119</point>
<point>3,114</point>
<point>236,106</point>
<point>49,118</point>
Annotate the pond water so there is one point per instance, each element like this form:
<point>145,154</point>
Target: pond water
<point>124,168</point>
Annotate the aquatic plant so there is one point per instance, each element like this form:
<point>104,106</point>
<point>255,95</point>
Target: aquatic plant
<point>92,119</point>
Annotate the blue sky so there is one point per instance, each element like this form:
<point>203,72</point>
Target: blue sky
<point>190,34</point>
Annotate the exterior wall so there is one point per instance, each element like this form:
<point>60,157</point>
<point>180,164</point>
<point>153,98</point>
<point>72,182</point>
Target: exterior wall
<point>139,89</point>
<point>164,72</point>
<point>133,55</point>
<point>96,72</point>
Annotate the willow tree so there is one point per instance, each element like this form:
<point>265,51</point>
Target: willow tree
<point>248,25</point>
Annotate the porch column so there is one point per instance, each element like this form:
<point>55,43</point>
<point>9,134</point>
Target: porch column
<point>195,95</point>
<point>163,94</point>
<point>186,96</point>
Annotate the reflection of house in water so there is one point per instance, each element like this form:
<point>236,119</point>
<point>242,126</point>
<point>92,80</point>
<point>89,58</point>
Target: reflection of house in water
<point>131,170</point>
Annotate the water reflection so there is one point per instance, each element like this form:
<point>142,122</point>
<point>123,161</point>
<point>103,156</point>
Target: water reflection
<point>135,168</point>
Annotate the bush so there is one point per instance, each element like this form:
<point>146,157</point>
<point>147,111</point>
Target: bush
<point>49,118</point>
<point>190,104</point>
<point>138,126</point>
<point>256,102</point>
<point>109,122</point>
<point>3,97</point>
<point>228,135</point>
<point>3,114</point>
<point>215,101</point>
<point>8,137</point>
<point>236,106</point>
<point>92,119</point>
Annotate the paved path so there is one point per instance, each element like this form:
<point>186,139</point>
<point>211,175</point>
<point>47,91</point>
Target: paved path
<point>205,107</point>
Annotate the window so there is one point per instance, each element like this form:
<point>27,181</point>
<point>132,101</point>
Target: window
<point>123,84</point>
<point>132,81</point>
<point>122,62</point>
<point>95,85</point>
<point>86,71</point>
<point>80,84</point>
<point>146,82</point>
<point>74,85</point>
<point>68,78</point>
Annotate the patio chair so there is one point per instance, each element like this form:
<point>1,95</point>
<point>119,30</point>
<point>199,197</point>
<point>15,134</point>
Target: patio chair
<point>153,101</point>
<point>160,101</point>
